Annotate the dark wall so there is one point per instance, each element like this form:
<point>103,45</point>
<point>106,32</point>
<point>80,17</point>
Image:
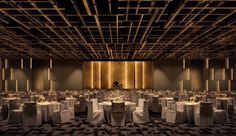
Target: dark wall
<point>168,74</point>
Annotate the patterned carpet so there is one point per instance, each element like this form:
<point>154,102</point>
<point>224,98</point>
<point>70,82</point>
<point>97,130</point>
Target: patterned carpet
<point>79,127</point>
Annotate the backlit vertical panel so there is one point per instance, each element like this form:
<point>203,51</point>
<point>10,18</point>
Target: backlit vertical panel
<point>87,80</point>
<point>148,75</point>
<point>138,75</point>
<point>130,75</point>
<point>117,72</point>
<point>105,74</point>
<point>96,74</point>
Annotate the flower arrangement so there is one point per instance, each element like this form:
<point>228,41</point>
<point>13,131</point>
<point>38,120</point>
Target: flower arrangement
<point>41,98</point>
<point>117,85</point>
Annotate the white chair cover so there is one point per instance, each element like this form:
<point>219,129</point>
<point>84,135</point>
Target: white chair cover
<point>141,115</point>
<point>94,116</point>
<point>175,115</point>
<point>203,114</point>
<point>118,114</point>
<point>221,112</point>
<point>140,104</point>
<point>15,114</point>
<point>31,117</point>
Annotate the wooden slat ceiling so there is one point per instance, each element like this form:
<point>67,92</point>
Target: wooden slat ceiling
<point>118,29</point>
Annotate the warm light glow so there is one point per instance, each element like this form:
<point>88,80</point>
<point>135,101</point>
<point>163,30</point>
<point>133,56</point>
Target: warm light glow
<point>21,63</point>
<point>11,74</point>
<point>92,74</point>
<point>50,63</point>
<point>207,87</point>
<point>100,75</point>
<point>31,62</point>
<point>232,73</point>
<point>126,75</point>
<point>229,85</point>
<point>212,74</point>
<point>183,63</point>
<point>3,74</point>
<point>27,85</point>
<point>188,74</point>
<point>181,85</point>
<point>6,63</point>
<point>207,63</point>
<point>223,74</point>
<point>16,85</point>
<point>6,85</point>
<point>49,75</point>
<point>143,69</point>
<point>227,63</point>
<point>109,74</point>
<point>51,85</point>
<point>218,85</point>
<point>136,75</point>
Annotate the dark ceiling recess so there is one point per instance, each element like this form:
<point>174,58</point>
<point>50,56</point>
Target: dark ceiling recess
<point>118,29</point>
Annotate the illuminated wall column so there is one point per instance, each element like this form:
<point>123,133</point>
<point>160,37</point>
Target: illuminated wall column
<point>31,63</point>
<point>109,75</point>
<point>223,74</point>
<point>21,63</point>
<point>184,64</point>
<point>143,75</point>
<point>96,74</point>
<point>188,73</point>
<point>207,63</point>
<point>212,73</point>
<point>181,85</point>
<point>87,75</point>
<point>6,85</point>
<point>117,72</point>
<point>227,63</point>
<point>138,75</point>
<point>148,74</point>
<point>16,85</point>
<point>130,74</point>
<point>105,74</point>
<point>126,75</point>
<point>218,85</point>
<point>27,85</point>
<point>229,85</point>
<point>232,74</point>
<point>92,74</point>
<point>207,85</point>
<point>6,63</point>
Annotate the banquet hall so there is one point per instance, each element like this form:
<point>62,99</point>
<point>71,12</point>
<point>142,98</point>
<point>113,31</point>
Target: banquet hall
<point>118,67</point>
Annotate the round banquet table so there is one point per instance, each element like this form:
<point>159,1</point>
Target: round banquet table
<point>47,108</point>
<point>189,107</point>
<point>5,101</point>
<point>106,107</point>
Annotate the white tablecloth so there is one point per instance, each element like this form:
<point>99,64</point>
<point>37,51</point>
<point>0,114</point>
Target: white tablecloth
<point>106,107</point>
<point>47,108</point>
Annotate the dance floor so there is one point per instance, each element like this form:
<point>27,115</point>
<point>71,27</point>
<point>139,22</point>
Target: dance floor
<point>156,126</point>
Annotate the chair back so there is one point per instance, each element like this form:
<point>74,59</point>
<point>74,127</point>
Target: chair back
<point>206,109</point>
<point>145,111</point>
<point>118,107</point>
<point>90,111</point>
<point>140,102</point>
<point>64,105</point>
<point>95,103</point>
<point>30,109</point>
<point>14,104</point>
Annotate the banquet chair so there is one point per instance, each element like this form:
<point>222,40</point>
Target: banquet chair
<point>95,103</point>
<point>163,109</point>
<point>221,112</point>
<point>175,113</point>
<point>81,106</point>
<point>118,114</point>
<point>140,104</point>
<point>155,107</point>
<point>15,112</point>
<point>63,114</point>
<point>94,115</point>
<point>203,114</point>
<point>31,116</point>
<point>141,115</point>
